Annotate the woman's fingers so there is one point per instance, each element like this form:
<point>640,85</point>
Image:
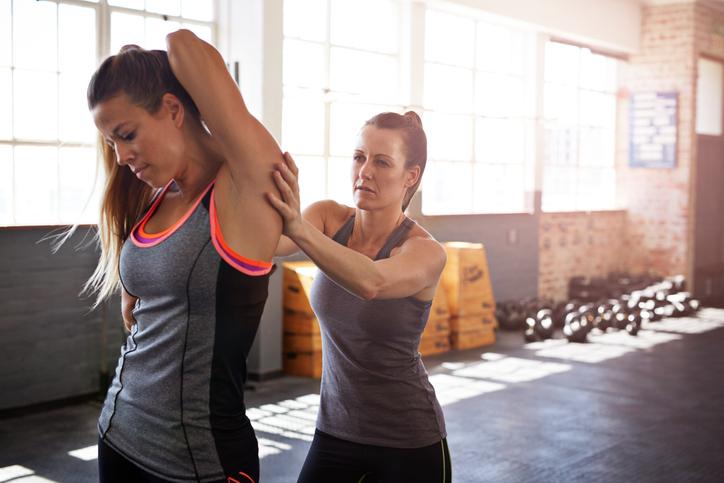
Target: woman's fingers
<point>290,162</point>
<point>283,187</point>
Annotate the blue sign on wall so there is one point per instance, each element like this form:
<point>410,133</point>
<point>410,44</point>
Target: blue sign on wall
<point>653,121</point>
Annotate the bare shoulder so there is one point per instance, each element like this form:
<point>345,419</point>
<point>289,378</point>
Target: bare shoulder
<point>423,243</point>
<point>328,214</point>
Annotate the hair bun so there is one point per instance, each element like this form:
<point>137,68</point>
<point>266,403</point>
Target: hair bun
<point>413,118</point>
<point>129,48</point>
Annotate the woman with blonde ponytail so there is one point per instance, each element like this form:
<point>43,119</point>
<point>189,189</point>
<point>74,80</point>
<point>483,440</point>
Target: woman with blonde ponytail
<point>187,237</point>
<point>379,419</point>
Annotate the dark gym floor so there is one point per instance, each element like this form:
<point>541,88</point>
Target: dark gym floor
<point>618,409</point>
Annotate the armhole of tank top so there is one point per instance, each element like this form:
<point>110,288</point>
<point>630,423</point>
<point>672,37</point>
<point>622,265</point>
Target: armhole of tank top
<point>244,265</point>
<point>345,227</point>
<point>155,200</point>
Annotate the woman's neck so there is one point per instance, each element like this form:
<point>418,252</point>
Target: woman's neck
<point>203,160</point>
<point>372,228</point>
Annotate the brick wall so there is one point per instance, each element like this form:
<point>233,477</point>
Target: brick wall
<point>660,212</point>
<point>589,244</point>
<point>709,30</point>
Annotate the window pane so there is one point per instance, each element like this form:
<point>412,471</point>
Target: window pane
<point>369,76</point>
<point>597,147</point>
<point>596,188</point>
<point>501,141</point>
<point>561,103</point>
<point>76,38</point>
<point>306,19</point>
<point>449,39</point>
<point>126,29</point>
<point>598,72</point>
<point>5,44</point>
<point>197,10</point>
<point>203,32</point>
<point>6,185</point>
<point>78,185</point>
<point>561,146</point>
<point>76,123</point>
<point>304,64</point>
<point>156,31</point>
<point>303,126</point>
<point>562,63</point>
<point>448,89</point>
<point>499,189</point>
<point>312,179</point>
<point>35,35</point>
<point>447,188</point>
<point>709,91</point>
<point>36,184</point>
<point>137,4</point>
<point>369,25</point>
<point>559,188</point>
<point>598,109</point>
<point>501,96</point>
<point>35,105</point>
<point>449,137</point>
<point>346,121</point>
<point>339,180</point>
<point>168,7</point>
<point>494,48</point>
<point>6,111</point>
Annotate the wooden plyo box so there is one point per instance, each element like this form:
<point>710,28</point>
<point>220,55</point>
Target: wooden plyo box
<point>305,364</point>
<point>466,279</point>
<point>297,283</point>
<point>439,308</point>
<point>436,327</point>
<point>472,339</point>
<point>300,322</point>
<point>467,323</point>
<point>437,344</point>
<point>292,342</point>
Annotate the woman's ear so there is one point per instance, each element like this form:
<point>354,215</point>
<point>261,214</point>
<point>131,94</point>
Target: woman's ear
<point>413,175</point>
<point>175,108</point>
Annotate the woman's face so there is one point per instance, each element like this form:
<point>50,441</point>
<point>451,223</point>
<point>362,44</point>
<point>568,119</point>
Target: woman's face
<point>379,175</point>
<point>150,145</point>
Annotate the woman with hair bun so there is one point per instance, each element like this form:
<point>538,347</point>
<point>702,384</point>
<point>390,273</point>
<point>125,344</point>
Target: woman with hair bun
<point>187,237</point>
<point>379,419</point>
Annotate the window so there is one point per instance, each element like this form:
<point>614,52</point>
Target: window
<point>48,51</point>
<point>341,66</point>
<point>580,119</point>
<point>479,104</point>
<point>709,91</point>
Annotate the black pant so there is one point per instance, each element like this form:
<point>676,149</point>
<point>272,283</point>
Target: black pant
<point>335,460</point>
<point>115,468</point>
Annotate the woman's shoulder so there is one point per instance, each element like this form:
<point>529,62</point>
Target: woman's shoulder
<point>419,233</point>
<point>332,214</point>
<point>420,240</point>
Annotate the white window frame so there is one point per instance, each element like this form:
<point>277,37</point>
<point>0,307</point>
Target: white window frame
<point>330,97</point>
<point>103,35</point>
<point>574,204</point>
<point>530,81</point>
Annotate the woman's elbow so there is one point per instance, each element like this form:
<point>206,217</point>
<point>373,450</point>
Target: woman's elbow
<point>179,42</point>
<point>369,290</point>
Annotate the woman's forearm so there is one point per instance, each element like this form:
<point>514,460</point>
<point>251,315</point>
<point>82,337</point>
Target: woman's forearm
<point>352,270</point>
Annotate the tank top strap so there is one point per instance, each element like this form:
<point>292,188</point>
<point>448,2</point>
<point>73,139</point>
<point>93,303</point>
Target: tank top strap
<point>394,238</point>
<point>343,234</point>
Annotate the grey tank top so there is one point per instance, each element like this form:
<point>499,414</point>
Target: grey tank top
<point>375,388</point>
<point>178,389</point>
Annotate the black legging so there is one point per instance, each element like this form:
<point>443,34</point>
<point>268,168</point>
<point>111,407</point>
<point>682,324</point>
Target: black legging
<point>335,460</point>
<point>114,468</point>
